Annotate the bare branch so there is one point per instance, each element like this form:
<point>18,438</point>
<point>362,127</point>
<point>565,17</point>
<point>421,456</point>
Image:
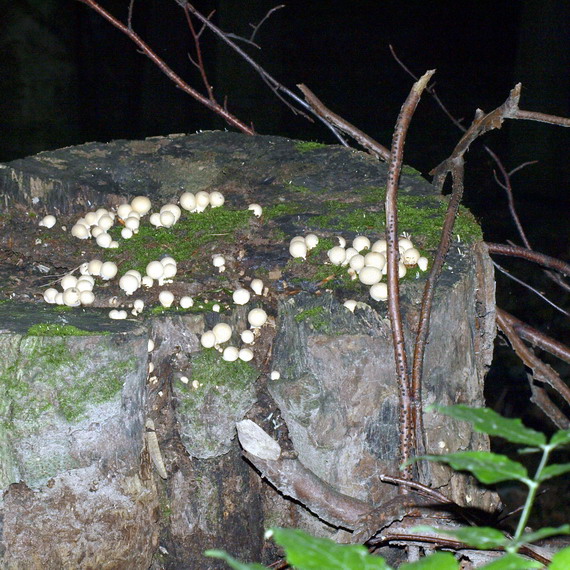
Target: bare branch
<point>130,16</point>
<point>343,125</point>
<point>161,64</point>
<point>263,20</point>
<point>407,427</point>
<point>200,62</point>
<point>530,288</point>
<point>529,255</point>
<point>542,118</point>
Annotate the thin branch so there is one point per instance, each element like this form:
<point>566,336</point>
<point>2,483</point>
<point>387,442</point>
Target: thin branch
<point>529,255</point>
<point>130,15</point>
<point>530,288</point>
<point>161,64</point>
<point>407,427</point>
<point>276,87</point>
<point>541,372</point>
<point>263,20</point>
<point>343,125</point>
<point>200,62</point>
<point>542,118</point>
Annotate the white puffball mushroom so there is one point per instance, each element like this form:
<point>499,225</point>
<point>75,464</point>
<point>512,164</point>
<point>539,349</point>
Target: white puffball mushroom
<point>379,245</point>
<point>172,208</point>
<point>155,270</point>
<point>167,259</point>
<point>49,295</point>
<point>126,233</point>
<point>188,201</point>
<point>138,306</point>
<point>247,336</point>
<point>59,298</point>
<point>218,260</point>
<point>80,231</point>
<point>350,253</point>
<point>123,211</point>
<point>411,256</point>
<point>216,199</point>
<point>170,270</point>
<point>257,318</point>
<point>86,297</point>
<point>129,283</point>
<point>155,219</point>
<point>94,267</point>
<point>222,332</point>
<point>105,222</point>
<point>311,240</point>
<point>230,354</point>
<point>256,209</point>
<point>71,297</point>
<point>245,354</point>
<point>202,200</point>
<point>423,263</point>
<point>68,281</point>
<point>241,296</point>
<point>117,314</point>
<point>298,238</point>
<point>167,219</point>
<point>356,262</point>
<point>375,259</point>
<point>256,286</point>
<point>114,245</point>
<point>48,221</point>
<point>404,244</point>
<point>135,273</point>
<point>150,345</point>
<point>216,308</point>
<point>341,241</point>
<point>147,281</point>
<point>298,249</point>
<point>166,298</point>
<point>85,283</point>
<point>141,205</point>
<point>186,302</point>
<point>275,375</point>
<point>379,291</point>
<point>208,339</point>
<point>84,268</point>
<point>104,240</point>
<point>401,270</point>
<point>133,224</point>
<point>96,231</point>
<point>108,270</point>
<point>337,255</point>
<point>370,275</point>
<point>360,242</point>
<point>350,304</point>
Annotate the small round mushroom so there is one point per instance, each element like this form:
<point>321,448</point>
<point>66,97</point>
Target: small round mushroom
<point>71,297</point>
<point>350,304</point>
<point>155,270</point>
<point>360,242</point>
<point>138,306</point>
<point>86,297</point>
<point>48,221</point>
<point>275,375</point>
<point>167,219</point>
<point>423,263</point>
<point>68,281</point>
<point>170,270</point>
<point>85,283</point>
<point>216,199</point>
<point>166,298</point>
<point>411,257</point>
<point>241,296</point>
<point>230,354</point>
<point>108,270</point>
<point>117,314</point>
<point>404,244</point>
<point>126,233</point>
<point>257,318</point>
<point>141,205</point>
<point>208,339</point>
<point>96,231</point>
<point>129,283</point>
<point>218,260</point>
<point>188,201</point>
<point>341,241</point>
<point>105,222</point>
<point>370,275</point>
<point>311,240</point>
<point>104,240</point>
<point>94,267</point>
<point>337,255</point>
<point>256,209</point>
<point>401,270</point>
<point>246,336</point>
<point>257,286</point>
<point>150,345</point>
<point>202,200</point>
<point>379,291</point>
<point>356,262</point>
<point>186,302</point>
<point>132,223</point>
<point>49,295</point>
<point>379,245</point>
<point>375,259</point>
<point>80,231</point>
<point>222,332</point>
<point>123,211</point>
<point>155,219</point>
<point>245,354</point>
<point>298,249</point>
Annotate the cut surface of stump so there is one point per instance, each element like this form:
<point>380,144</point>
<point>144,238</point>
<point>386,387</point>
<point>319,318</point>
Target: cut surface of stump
<point>334,400</point>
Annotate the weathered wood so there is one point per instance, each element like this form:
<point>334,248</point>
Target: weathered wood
<point>335,403</point>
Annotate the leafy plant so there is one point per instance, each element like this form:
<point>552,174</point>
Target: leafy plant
<point>309,553</point>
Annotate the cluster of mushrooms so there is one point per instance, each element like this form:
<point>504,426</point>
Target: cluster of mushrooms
<point>364,260</point>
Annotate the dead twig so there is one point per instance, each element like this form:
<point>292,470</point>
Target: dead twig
<point>529,255</point>
<point>343,125</point>
<point>408,431</point>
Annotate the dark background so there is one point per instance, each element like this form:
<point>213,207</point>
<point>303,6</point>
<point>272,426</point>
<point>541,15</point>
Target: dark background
<point>69,77</point>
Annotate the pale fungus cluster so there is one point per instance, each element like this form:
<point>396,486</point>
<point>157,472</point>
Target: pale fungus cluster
<point>300,245</point>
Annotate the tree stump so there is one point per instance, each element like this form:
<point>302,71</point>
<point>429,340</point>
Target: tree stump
<point>76,385</point>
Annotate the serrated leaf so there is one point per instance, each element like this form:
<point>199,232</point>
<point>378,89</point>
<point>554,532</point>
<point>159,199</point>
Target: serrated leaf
<point>554,470</point>
<point>307,552</point>
<point>235,564</point>
<point>485,420</point>
<point>486,466</point>
<point>544,533</point>
<point>512,562</point>
<point>482,537</point>
<point>438,561</point>
<point>561,437</point>
<point>561,560</point>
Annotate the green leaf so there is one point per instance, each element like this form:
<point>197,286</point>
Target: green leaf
<point>512,562</point>
<point>561,560</point>
<point>482,537</point>
<point>561,437</point>
<point>222,555</point>
<point>485,420</point>
<point>438,561</point>
<point>486,466</point>
<point>544,533</point>
<point>554,470</point>
<point>306,552</point>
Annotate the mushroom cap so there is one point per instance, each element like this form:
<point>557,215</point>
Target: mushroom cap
<point>155,269</point>
<point>370,275</point>
<point>423,263</point>
<point>129,283</point>
<point>186,302</point>
<point>155,219</point>
<point>170,270</point>
<point>257,317</point>
<point>108,270</point>
<point>202,200</point>
<point>337,255</point>
<point>123,211</point>
<point>230,354</point>
<point>49,295</point>
<point>241,296</point>
<point>411,256</point>
<point>311,240</point>
<point>141,205</point>
<point>86,297</point>
<point>96,231</point>
<point>216,199</point>
<point>245,354</point>
<point>222,332</point>
<point>132,223</point>
<point>360,242</point>
<point>350,304</point>
<point>298,249</point>
<point>126,233</point>
<point>68,281</point>
<point>375,259</point>
<point>356,262</point>
<point>94,267</point>
<point>256,209</point>
<point>85,283</point>
<point>247,336</point>
<point>256,286</point>
<point>71,297</point>
<point>218,260</point>
<point>103,239</point>
<point>105,222</point>
<point>379,291</point>
<point>172,208</point>
<point>405,243</point>
<point>379,245</point>
<point>187,201</point>
<point>166,298</point>
<point>48,221</point>
<point>167,219</point>
<point>80,231</point>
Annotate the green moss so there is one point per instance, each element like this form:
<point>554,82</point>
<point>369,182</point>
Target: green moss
<point>307,146</point>
<point>409,171</point>
<point>52,329</point>
<point>285,209</point>
<point>299,189</point>
<point>184,240</point>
